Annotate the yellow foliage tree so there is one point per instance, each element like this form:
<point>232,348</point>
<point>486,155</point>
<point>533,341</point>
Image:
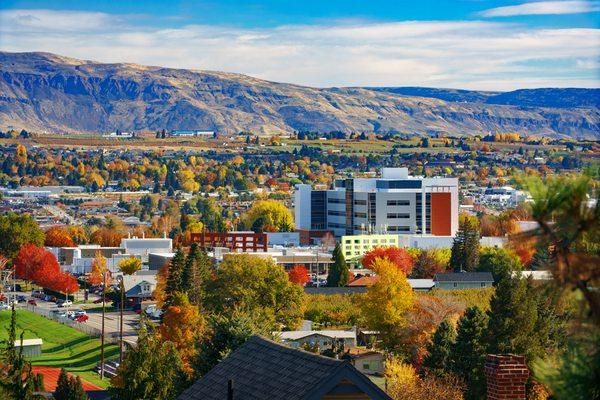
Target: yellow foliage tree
<point>21,154</point>
<point>182,325</point>
<point>386,304</point>
<point>269,216</point>
<point>130,266</point>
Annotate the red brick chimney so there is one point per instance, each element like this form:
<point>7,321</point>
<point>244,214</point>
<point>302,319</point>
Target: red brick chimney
<point>506,377</point>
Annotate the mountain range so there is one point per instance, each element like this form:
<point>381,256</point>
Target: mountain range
<point>48,92</point>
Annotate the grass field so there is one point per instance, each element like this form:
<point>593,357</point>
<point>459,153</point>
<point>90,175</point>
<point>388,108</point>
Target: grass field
<point>63,346</point>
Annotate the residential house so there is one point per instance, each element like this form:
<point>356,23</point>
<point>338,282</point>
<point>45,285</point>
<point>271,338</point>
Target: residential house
<point>368,362</point>
<point>323,339</point>
<point>463,280</point>
<point>261,369</point>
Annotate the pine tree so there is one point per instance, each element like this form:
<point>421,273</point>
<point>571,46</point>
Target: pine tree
<point>196,272</point>
<point>465,248</point>
<point>512,319</point>
<point>69,387</point>
<point>338,275</point>
<point>174,278</point>
<point>469,351</point>
<point>437,360</point>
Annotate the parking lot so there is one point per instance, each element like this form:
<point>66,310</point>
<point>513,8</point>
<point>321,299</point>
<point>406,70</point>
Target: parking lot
<point>93,312</point>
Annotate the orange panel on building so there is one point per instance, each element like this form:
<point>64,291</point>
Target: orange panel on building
<point>441,214</point>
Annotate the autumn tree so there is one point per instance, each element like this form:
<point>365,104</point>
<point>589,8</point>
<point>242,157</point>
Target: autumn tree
<point>299,275</point>
<point>130,266</point>
<point>428,263</point>
<point>106,237</point>
<point>386,304</point>
<point>258,286</point>
<point>268,216</point>
<point>396,255</point>
<point>437,360</point>
<point>465,248</point>
<point>58,236</point>
<point>99,268</point>
<point>338,274</point>
<point>17,230</point>
<point>182,324</point>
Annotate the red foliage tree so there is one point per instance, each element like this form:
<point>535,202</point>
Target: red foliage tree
<point>27,261</point>
<point>396,255</point>
<point>41,267</point>
<point>299,274</point>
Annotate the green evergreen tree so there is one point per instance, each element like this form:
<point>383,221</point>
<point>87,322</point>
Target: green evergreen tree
<point>339,274</point>
<point>465,248</point>
<point>69,387</point>
<point>174,277</point>
<point>512,319</point>
<point>196,272</point>
<point>151,369</point>
<point>437,360</point>
<point>469,351</point>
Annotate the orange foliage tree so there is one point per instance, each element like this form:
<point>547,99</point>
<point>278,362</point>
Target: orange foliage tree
<point>106,237</point>
<point>58,236</point>
<point>397,256</point>
<point>299,274</point>
<point>182,324</point>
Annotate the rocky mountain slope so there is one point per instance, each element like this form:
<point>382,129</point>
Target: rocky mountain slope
<point>47,92</point>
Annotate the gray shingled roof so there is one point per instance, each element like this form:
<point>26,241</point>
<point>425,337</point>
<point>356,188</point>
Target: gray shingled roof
<point>262,369</point>
<point>464,277</point>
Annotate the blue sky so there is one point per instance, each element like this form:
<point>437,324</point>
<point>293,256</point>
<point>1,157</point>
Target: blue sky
<point>475,44</point>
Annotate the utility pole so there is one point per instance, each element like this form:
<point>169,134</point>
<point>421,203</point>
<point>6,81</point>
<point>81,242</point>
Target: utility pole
<point>122,287</point>
<point>102,335</point>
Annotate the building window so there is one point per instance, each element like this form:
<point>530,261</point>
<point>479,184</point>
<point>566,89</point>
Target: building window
<point>366,366</point>
<point>360,215</point>
<point>398,215</point>
<point>336,213</point>
<point>360,202</point>
<point>333,200</point>
<point>398,202</point>
<point>455,284</point>
<point>482,284</point>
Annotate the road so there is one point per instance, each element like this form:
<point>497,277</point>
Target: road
<point>61,214</point>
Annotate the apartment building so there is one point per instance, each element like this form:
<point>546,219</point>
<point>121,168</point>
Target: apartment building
<point>395,203</point>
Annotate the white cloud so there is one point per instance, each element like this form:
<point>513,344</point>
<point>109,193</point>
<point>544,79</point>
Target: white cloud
<point>544,8</point>
<point>466,54</point>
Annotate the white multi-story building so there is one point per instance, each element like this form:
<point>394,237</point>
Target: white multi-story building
<point>394,203</point>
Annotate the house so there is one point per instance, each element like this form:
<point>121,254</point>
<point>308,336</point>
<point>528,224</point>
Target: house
<point>418,285</point>
<point>368,362</point>
<point>140,286</point>
<point>463,280</point>
<point>323,338</point>
<point>261,369</point>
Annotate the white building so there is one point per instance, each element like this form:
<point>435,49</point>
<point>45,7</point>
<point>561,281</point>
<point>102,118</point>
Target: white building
<point>394,203</point>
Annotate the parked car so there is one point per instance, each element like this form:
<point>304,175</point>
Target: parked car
<point>47,297</point>
<point>77,313</point>
<point>21,299</point>
<point>4,306</point>
<point>137,308</point>
<point>98,301</point>
<point>153,312</point>
<point>53,299</point>
<point>64,303</point>
<point>32,302</point>
<point>82,318</point>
